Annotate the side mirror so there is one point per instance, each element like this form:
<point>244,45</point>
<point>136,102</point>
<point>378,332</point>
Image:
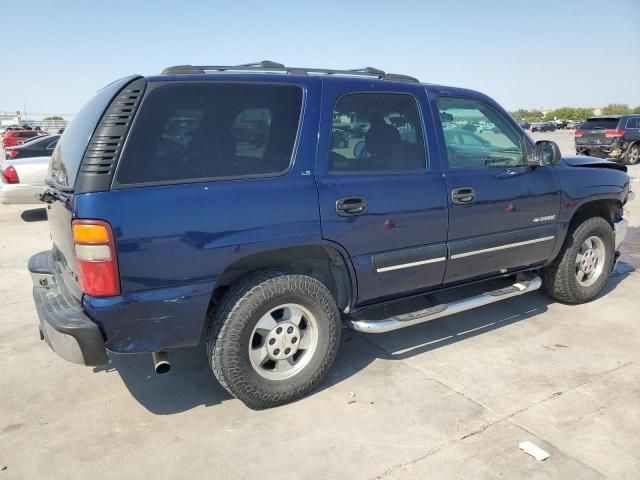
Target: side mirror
<point>545,152</point>
<point>360,150</point>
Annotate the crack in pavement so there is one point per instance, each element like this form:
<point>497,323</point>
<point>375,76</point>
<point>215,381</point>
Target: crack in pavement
<point>506,418</point>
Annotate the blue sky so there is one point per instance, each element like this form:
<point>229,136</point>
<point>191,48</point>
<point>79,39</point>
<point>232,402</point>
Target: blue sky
<point>532,54</point>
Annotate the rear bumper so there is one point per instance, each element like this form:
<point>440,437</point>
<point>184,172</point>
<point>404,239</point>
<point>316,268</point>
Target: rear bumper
<point>63,324</point>
<point>613,151</point>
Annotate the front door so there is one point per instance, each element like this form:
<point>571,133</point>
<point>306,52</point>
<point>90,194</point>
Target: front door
<point>380,197</point>
<point>503,213</point>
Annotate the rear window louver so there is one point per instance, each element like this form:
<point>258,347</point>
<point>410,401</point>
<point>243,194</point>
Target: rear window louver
<point>102,154</point>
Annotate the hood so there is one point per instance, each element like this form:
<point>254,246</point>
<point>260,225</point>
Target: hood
<point>593,162</point>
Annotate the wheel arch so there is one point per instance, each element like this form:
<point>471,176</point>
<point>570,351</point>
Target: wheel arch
<point>608,208</point>
<point>324,262</point>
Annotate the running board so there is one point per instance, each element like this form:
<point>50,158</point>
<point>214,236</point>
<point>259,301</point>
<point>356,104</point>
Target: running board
<point>445,309</point>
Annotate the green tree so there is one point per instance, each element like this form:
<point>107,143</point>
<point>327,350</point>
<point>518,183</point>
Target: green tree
<point>569,113</point>
<point>527,115</point>
<point>616,109</point>
<point>53,117</point>
<point>636,109</point>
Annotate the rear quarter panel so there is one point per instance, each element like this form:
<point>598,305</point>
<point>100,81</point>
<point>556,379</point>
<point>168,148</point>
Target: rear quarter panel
<point>174,241</point>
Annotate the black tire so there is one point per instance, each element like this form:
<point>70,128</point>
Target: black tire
<point>231,334</point>
<point>633,155</point>
<point>559,279</point>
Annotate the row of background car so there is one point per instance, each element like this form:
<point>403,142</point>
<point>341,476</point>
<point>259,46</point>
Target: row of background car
<point>27,155</point>
<point>551,126</point>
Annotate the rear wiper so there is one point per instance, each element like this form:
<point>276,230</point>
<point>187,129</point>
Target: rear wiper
<point>49,196</point>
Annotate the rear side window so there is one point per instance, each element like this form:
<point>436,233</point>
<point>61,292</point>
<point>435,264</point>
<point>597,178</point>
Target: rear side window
<point>197,131</point>
<point>373,132</point>
<point>600,124</point>
<point>633,123</point>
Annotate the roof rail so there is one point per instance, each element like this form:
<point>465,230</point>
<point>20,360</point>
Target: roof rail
<point>269,66</point>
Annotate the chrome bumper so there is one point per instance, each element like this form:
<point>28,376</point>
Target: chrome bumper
<point>619,231</point>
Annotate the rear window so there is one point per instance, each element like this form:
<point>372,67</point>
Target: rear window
<point>600,124</point>
<point>195,131</point>
<point>68,154</point>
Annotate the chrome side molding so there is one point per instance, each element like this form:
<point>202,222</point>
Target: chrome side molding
<point>444,310</point>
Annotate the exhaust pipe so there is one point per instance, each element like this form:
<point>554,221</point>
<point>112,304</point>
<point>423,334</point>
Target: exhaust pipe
<point>161,362</point>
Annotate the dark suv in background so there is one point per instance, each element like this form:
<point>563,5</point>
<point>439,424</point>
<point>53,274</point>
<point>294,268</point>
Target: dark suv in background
<point>615,137</point>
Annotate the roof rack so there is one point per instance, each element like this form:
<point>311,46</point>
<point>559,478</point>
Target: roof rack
<point>269,66</point>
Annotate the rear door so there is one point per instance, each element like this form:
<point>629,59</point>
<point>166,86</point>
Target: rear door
<point>61,180</point>
<point>502,213</point>
<point>381,197</point>
<point>632,129</point>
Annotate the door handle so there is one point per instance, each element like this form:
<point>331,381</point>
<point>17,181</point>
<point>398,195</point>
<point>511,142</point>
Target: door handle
<point>350,206</point>
<point>463,196</point>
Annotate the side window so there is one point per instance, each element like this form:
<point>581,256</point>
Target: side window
<point>52,145</point>
<point>478,136</point>
<point>187,132</point>
<point>373,132</point>
<point>633,123</point>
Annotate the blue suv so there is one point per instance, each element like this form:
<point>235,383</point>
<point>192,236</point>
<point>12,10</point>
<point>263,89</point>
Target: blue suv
<point>258,209</point>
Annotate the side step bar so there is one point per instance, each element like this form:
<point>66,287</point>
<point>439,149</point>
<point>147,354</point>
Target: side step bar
<point>445,309</point>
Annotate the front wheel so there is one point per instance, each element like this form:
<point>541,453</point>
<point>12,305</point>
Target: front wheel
<point>582,267</point>
<point>274,338</point>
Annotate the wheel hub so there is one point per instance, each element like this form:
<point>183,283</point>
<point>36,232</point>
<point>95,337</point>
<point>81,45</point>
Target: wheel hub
<point>590,261</point>
<point>283,341</point>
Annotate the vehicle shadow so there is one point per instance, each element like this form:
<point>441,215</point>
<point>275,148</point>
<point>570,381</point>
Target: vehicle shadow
<point>191,383</point>
<point>34,215</point>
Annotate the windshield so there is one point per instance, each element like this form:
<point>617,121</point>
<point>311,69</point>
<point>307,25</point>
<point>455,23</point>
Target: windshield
<point>70,149</point>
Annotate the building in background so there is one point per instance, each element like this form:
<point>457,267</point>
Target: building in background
<point>9,118</point>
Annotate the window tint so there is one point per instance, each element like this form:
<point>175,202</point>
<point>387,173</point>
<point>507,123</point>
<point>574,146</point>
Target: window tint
<point>201,131</point>
<point>478,136</point>
<point>599,124</point>
<point>376,132</point>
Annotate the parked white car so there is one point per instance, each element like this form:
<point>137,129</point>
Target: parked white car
<point>22,179</point>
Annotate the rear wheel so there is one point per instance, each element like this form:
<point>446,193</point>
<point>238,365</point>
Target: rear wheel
<point>582,267</point>
<point>274,338</point>
<point>633,155</point>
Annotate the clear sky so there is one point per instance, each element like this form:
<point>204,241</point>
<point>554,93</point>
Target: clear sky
<point>531,54</point>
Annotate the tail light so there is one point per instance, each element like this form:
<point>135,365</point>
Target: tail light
<point>9,175</point>
<point>578,133</point>
<point>96,258</point>
<point>613,133</point>
<point>12,154</point>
